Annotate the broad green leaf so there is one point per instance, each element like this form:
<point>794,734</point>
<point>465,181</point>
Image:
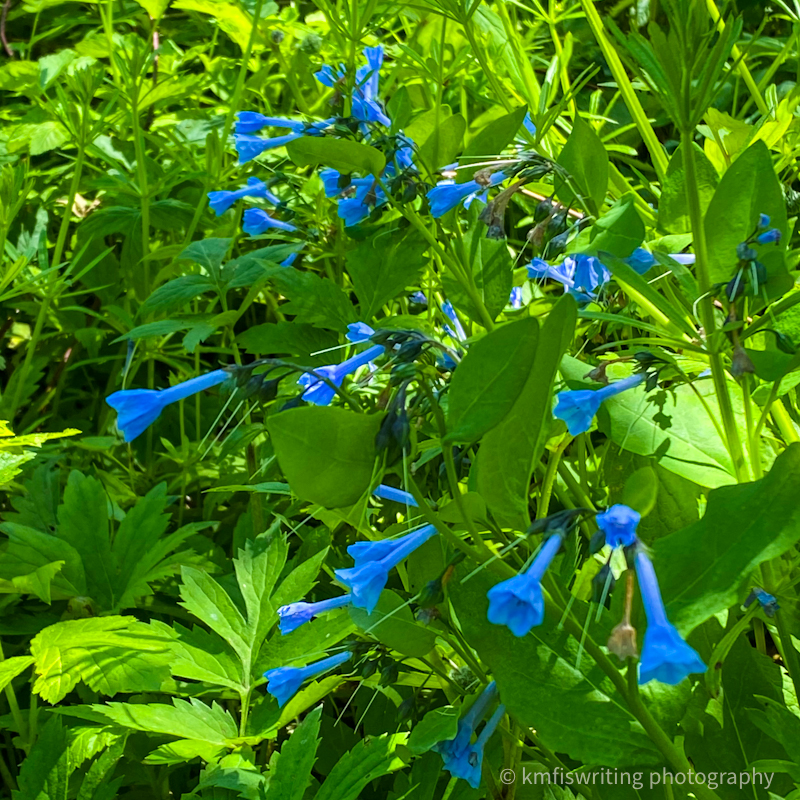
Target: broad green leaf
<point>574,710</point>
<point>488,381</point>
<point>16,76</point>
<point>673,427</point>
<point>83,523</point>
<point>109,654</point>
<point>393,624</point>
<point>509,452</point>
<point>584,157</point>
<point>490,141</point>
<point>184,719</point>
<point>703,569</point>
<point>384,265</point>
<point>97,779</point>
<point>343,155</point>
<point>300,581</point>
<point>673,208</point>
<point>288,339</point>
<point>47,136</point>
<point>45,772</point>
<point>203,656</point>
<point>174,294</point>
<point>436,726</point>
<point>619,231</point>
<point>230,16</point>
<point>182,751</point>
<point>747,189</point>
<point>11,667</point>
<point>368,760</point>
<point>51,66</point>
<point>327,454</point>
<point>155,8</point>
<point>438,134</point>
<point>208,253</point>
<point>291,775</point>
<point>315,300</point>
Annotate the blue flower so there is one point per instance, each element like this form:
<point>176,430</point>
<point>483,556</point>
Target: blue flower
<point>221,201</point>
<point>249,147</point>
<point>767,601</point>
<point>138,409</point>
<point>294,615</point>
<point>283,682</point>
<point>418,298</point>
<point>578,408</point>
<point>289,260</point>
<point>450,313</point>
<point>763,221</point>
<point>447,748</point>
<point>518,603</point>
<point>446,195</point>
<point>772,236</point>
<point>398,495</point>
<point>373,562</point>
<point>580,275</point>
<point>358,332</point>
<point>515,300</point>
<point>470,765</point>
<point>529,124</point>
<point>619,523</point>
<point>665,655</point>
<point>257,221</point>
<point>320,393</point>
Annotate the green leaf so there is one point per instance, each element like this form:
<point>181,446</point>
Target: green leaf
<point>202,656</point>
<point>326,454</point>
<point>488,381</point>
<point>673,208</point>
<point>574,710</point>
<point>16,76</point>
<point>340,154</point>
<point>109,654</point>
<point>641,490</point>
<point>490,141</point>
<point>190,719</point>
<point>11,667</point>
<point>368,760</point>
<point>584,157</point>
<point>393,624</point>
<point>438,134</point>
<point>510,451</point>
<point>44,773</point>
<point>155,8</point>
<point>436,726</point>
<point>384,265</point>
<point>747,189</point>
<point>176,293</point>
<point>292,774</point>
<point>318,301</point>
<point>47,136</point>
<point>702,569</point>
<point>619,231</point>
<point>230,16</point>
<point>300,581</point>
<point>288,338</point>
<point>208,253</point>
<point>83,523</point>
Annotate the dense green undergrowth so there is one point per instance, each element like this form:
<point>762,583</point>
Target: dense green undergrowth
<point>401,400</point>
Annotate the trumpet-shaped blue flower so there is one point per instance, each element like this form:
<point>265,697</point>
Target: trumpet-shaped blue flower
<point>448,748</point>
<point>249,147</point>
<point>358,332</point>
<point>221,201</point>
<point>283,682</point>
<point>772,236</point>
<point>320,393</point>
<point>763,221</point>
<point>373,562</point>
<point>578,408</point>
<point>666,657</point>
<point>619,523</point>
<point>450,313</point>
<point>257,221</point>
<point>446,195</point>
<point>518,603</point>
<point>294,615</point>
<point>469,764</point>
<point>398,495</point>
<point>138,409</point>
<point>515,299</point>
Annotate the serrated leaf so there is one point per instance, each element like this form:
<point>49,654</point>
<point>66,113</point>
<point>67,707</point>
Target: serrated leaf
<point>11,667</point>
<point>174,294</point>
<point>291,775</point>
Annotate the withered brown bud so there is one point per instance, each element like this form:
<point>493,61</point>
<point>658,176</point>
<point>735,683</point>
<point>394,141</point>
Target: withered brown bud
<point>740,362</point>
<point>483,177</point>
<point>622,642</point>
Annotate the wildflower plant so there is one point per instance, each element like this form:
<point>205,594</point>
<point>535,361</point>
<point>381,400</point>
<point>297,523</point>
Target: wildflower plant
<point>432,399</point>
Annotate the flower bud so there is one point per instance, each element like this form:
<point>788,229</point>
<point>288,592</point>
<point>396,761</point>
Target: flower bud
<point>740,362</point>
<point>543,210</point>
<point>604,578</point>
<point>622,642</point>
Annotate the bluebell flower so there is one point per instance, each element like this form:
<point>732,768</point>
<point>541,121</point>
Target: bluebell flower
<point>320,393</point>
<point>450,313</point>
<point>222,200</point>
<point>257,221</point>
<point>374,560</point>
<point>138,409</point>
<point>249,147</point>
<point>772,236</point>
<point>470,764</point>
<point>518,603</point>
<point>580,275</point>
<point>446,195</point>
<point>665,655</point>
<point>289,260</point>
<point>419,298</point>
<point>767,601</point>
<point>253,122</point>
<point>619,523</point>
<point>448,748</point>
<point>283,682</point>
<point>578,408</point>
<point>529,124</point>
<point>397,495</point>
<point>763,221</point>
<point>515,300</point>
<point>294,615</point>
<point>368,195</point>
<point>358,332</point>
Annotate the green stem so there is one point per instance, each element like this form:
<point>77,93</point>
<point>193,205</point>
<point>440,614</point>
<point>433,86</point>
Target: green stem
<point>144,192</point>
<point>784,422</point>
<point>707,309</point>
<point>546,492</point>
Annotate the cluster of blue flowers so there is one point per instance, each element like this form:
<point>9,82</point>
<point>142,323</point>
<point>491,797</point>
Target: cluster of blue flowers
<point>518,603</point>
